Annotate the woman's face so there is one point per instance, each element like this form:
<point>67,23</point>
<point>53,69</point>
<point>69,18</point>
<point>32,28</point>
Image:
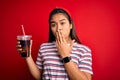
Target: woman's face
<point>59,22</point>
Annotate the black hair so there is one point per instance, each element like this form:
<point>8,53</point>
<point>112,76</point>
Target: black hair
<point>73,34</point>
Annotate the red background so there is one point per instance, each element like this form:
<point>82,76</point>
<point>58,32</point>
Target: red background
<point>97,24</point>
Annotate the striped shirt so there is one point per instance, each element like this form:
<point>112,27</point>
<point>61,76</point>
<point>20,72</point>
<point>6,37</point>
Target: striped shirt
<point>53,68</point>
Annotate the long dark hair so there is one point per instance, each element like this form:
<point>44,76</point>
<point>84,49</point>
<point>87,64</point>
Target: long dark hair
<point>73,34</point>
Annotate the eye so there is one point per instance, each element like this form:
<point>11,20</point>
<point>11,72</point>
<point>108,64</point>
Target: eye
<point>62,23</point>
<point>53,24</point>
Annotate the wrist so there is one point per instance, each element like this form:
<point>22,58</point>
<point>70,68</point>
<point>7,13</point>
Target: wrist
<point>64,55</point>
<point>27,58</point>
<point>66,59</point>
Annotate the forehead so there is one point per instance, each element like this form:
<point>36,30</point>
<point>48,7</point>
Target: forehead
<point>58,16</point>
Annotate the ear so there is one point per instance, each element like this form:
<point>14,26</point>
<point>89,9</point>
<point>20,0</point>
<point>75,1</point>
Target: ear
<point>70,26</point>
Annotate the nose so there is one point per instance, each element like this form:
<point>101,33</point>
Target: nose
<point>59,27</point>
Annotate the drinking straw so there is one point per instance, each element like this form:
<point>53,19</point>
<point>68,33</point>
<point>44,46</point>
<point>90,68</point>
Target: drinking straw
<point>25,39</point>
<point>23,30</point>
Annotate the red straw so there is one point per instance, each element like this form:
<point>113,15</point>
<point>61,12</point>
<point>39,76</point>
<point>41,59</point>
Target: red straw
<point>23,30</point>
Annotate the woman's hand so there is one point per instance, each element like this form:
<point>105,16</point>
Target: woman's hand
<point>63,47</point>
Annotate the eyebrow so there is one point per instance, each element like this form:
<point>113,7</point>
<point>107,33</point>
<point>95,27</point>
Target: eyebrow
<point>59,20</point>
<point>62,20</point>
<point>52,21</point>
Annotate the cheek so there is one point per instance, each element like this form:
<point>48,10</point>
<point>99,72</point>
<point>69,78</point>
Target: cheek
<point>53,31</point>
<point>66,31</point>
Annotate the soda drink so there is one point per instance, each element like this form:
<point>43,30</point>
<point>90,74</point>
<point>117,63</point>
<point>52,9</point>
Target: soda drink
<point>24,41</point>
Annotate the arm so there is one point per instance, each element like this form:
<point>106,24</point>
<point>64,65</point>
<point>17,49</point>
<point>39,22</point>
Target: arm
<point>71,68</point>
<point>36,73</point>
<point>75,73</point>
<point>34,70</point>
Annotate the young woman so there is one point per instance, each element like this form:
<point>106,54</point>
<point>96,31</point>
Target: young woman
<point>63,57</point>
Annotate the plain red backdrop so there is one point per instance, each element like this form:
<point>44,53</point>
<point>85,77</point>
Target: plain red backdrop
<point>97,25</point>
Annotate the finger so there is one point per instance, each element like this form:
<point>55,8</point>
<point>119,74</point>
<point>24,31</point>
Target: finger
<point>19,49</point>
<point>60,36</point>
<point>18,46</point>
<point>57,37</point>
<point>72,43</point>
<point>56,43</point>
<point>18,42</point>
<point>31,41</point>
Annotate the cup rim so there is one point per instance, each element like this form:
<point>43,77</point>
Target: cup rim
<point>23,37</point>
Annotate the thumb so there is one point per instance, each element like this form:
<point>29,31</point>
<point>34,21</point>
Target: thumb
<point>72,43</point>
<point>31,41</point>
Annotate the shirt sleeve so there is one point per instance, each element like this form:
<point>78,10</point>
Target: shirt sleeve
<point>85,61</point>
<point>39,61</point>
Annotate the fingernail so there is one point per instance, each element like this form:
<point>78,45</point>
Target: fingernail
<point>18,42</point>
<point>73,40</point>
